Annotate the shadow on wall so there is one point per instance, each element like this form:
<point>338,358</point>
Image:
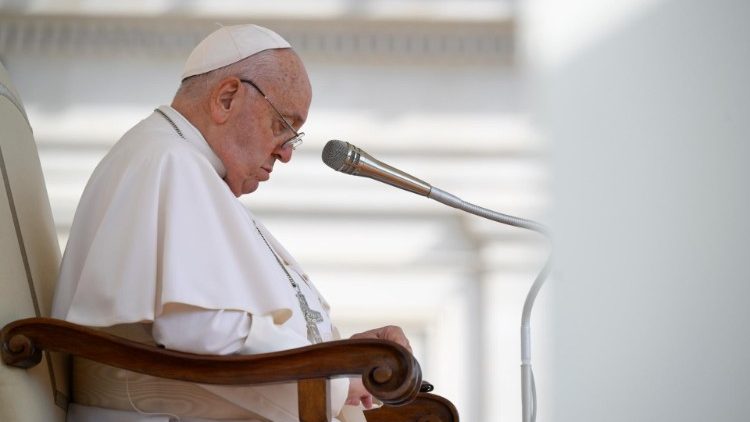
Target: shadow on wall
<point>650,132</point>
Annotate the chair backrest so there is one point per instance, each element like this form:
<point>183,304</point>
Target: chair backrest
<point>29,261</point>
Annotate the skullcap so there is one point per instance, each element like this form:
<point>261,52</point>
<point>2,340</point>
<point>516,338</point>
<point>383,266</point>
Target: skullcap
<point>230,44</point>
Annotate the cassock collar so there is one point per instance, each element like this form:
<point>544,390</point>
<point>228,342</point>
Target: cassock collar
<point>195,137</point>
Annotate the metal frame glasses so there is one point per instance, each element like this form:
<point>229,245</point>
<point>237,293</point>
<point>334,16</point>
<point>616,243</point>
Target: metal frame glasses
<point>294,141</point>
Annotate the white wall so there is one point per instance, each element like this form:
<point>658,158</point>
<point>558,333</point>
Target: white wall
<point>646,105</point>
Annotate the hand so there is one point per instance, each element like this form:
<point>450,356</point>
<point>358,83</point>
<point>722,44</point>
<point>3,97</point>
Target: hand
<point>389,332</point>
<point>358,394</point>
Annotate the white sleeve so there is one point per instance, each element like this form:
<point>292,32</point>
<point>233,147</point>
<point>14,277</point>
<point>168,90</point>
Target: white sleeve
<point>222,332</point>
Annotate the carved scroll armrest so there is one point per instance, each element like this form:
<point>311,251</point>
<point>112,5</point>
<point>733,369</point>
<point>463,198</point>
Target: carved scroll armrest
<point>425,408</point>
<point>388,370</point>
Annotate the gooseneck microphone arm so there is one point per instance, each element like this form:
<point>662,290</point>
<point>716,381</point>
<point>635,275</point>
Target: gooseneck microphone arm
<point>528,389</point>
<point>347,158</point>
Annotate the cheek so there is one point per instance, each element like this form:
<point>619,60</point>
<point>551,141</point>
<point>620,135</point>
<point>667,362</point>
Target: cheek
<point>259,143</point>
<point>254,143</point>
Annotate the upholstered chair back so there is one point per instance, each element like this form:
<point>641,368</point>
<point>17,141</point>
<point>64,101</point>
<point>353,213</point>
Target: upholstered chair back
<point>29,261</point>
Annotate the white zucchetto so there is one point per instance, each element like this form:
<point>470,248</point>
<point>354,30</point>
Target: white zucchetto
<point>230,44</point>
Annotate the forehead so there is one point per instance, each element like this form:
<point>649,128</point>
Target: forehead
<point>282,76</point>
<point>292,100</point>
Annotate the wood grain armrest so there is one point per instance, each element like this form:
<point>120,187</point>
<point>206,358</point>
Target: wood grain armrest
<point>425,408</point>
<point>388,370</point>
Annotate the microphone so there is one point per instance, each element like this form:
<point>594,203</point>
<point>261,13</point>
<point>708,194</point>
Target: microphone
<point>346,158</point>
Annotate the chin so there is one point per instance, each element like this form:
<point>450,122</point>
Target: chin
<point>250,187</point>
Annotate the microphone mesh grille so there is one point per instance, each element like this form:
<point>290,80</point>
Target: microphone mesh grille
<point>334,154</point>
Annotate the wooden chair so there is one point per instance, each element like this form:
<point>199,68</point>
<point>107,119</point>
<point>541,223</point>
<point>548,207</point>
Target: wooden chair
<point>35,349</point>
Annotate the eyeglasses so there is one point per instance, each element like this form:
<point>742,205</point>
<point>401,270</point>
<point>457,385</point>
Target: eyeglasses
<point>295,140</point>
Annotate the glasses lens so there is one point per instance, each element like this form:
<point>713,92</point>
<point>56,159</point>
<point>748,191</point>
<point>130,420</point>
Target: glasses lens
<point>294,142</point>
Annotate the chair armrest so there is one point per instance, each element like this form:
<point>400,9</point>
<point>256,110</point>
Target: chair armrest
<point>389,371</point>
<point>425,408</point>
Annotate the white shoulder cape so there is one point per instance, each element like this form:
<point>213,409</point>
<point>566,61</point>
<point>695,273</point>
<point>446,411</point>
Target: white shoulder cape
<point>157,225</point>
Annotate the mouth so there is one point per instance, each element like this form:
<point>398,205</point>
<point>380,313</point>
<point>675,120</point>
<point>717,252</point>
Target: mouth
<point>268,173</point>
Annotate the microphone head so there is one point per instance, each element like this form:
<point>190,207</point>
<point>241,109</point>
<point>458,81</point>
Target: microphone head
<point>335,153</point>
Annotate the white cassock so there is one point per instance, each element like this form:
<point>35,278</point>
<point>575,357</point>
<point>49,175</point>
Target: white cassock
<point>161,251</point>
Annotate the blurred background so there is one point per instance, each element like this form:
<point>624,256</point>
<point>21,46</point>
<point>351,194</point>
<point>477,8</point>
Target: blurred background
<point>633,115</point>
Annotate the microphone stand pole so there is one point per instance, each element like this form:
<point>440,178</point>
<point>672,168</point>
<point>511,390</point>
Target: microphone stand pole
<point>528,387</point>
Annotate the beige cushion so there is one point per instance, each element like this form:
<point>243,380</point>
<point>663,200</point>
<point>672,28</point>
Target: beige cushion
<point>29,261</point>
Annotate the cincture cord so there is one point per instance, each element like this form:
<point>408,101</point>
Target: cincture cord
<point>172,417</point>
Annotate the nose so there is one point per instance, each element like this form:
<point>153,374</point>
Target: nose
<point>284,153</point>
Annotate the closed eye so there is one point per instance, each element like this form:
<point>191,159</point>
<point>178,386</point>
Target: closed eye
<point>279,128</point>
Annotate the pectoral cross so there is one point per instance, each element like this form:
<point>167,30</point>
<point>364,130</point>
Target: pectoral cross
<point>312,317</point>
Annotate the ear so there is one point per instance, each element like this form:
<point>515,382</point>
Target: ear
<point>223,98</point>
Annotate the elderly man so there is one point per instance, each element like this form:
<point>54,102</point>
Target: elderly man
<point>161,251</point>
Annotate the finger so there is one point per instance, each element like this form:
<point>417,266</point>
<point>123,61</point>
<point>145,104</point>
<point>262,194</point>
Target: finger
<point>352,401</point>
<point>367,401</point>
<point>389,332</point>
<point>396,334</point>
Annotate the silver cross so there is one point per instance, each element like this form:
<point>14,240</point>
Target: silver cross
<point>312,317</point>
